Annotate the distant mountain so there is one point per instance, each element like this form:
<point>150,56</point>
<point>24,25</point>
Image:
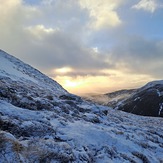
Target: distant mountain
<point>41,122</point>
<point>146,101</point>
<point>110,99</point>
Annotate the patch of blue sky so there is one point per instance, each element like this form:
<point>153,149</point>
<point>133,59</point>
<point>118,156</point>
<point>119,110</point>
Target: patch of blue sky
<point>142,23</point>
<point>32,2</point>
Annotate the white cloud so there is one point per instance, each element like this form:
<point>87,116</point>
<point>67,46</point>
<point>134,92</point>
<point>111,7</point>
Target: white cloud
<point>40,31</point>
<point>147,5</point>
<point>102,13</point>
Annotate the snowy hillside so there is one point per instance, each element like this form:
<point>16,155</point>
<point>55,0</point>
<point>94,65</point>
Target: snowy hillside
<point>41,122</point>
<point>16,70</point>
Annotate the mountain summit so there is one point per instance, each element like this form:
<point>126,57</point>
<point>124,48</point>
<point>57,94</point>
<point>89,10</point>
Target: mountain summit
<point>42,122</point>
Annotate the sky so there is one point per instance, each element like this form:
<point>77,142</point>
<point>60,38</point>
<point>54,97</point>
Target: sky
<point>88,46</point>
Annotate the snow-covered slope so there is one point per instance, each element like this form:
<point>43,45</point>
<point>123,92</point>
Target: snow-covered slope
<point>56,136</point>
<point>41,122</point>
<point>16,70</point>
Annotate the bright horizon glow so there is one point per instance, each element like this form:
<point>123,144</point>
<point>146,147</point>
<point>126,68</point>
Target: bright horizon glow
<point>63,70</point>
<point>101,85</point>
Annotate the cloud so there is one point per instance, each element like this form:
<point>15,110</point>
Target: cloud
<point>14,16</point>
<point>56,48</point>
<point>68,71</point>
<point>147,5</point>
<point>39,32</point>
<point>102,13</point>
<point>140,56</point>
<point>47,46</point>
<point>60,13</point>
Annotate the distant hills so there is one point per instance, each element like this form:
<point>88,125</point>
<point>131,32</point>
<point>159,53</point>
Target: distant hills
<point>146,101</point>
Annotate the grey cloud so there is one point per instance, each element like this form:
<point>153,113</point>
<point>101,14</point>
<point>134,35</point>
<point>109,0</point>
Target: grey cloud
<point>79,72</point>
<point>60,13</point>
<point>140,55</point>
<point>60,50</point>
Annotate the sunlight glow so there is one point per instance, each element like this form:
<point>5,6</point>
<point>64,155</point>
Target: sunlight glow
<point>95,49</point>
<point>69,83</point>
<point>115,80</point>
<point>63,70</point>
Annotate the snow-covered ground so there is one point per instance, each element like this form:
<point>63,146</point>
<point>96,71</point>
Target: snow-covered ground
<point>42,122</point>
<point>45,135</point>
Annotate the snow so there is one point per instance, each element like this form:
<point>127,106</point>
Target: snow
<point>138,98</point>
<point>160,110</point>
<point>117,134</point>
<point>18,71</point>
<point>67,128</point>
<point>152,84</point>
<point>158,92</point>
<point>7,68</point>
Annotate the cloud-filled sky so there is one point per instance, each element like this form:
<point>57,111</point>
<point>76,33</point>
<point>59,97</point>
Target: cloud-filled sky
<point>88,46</point>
